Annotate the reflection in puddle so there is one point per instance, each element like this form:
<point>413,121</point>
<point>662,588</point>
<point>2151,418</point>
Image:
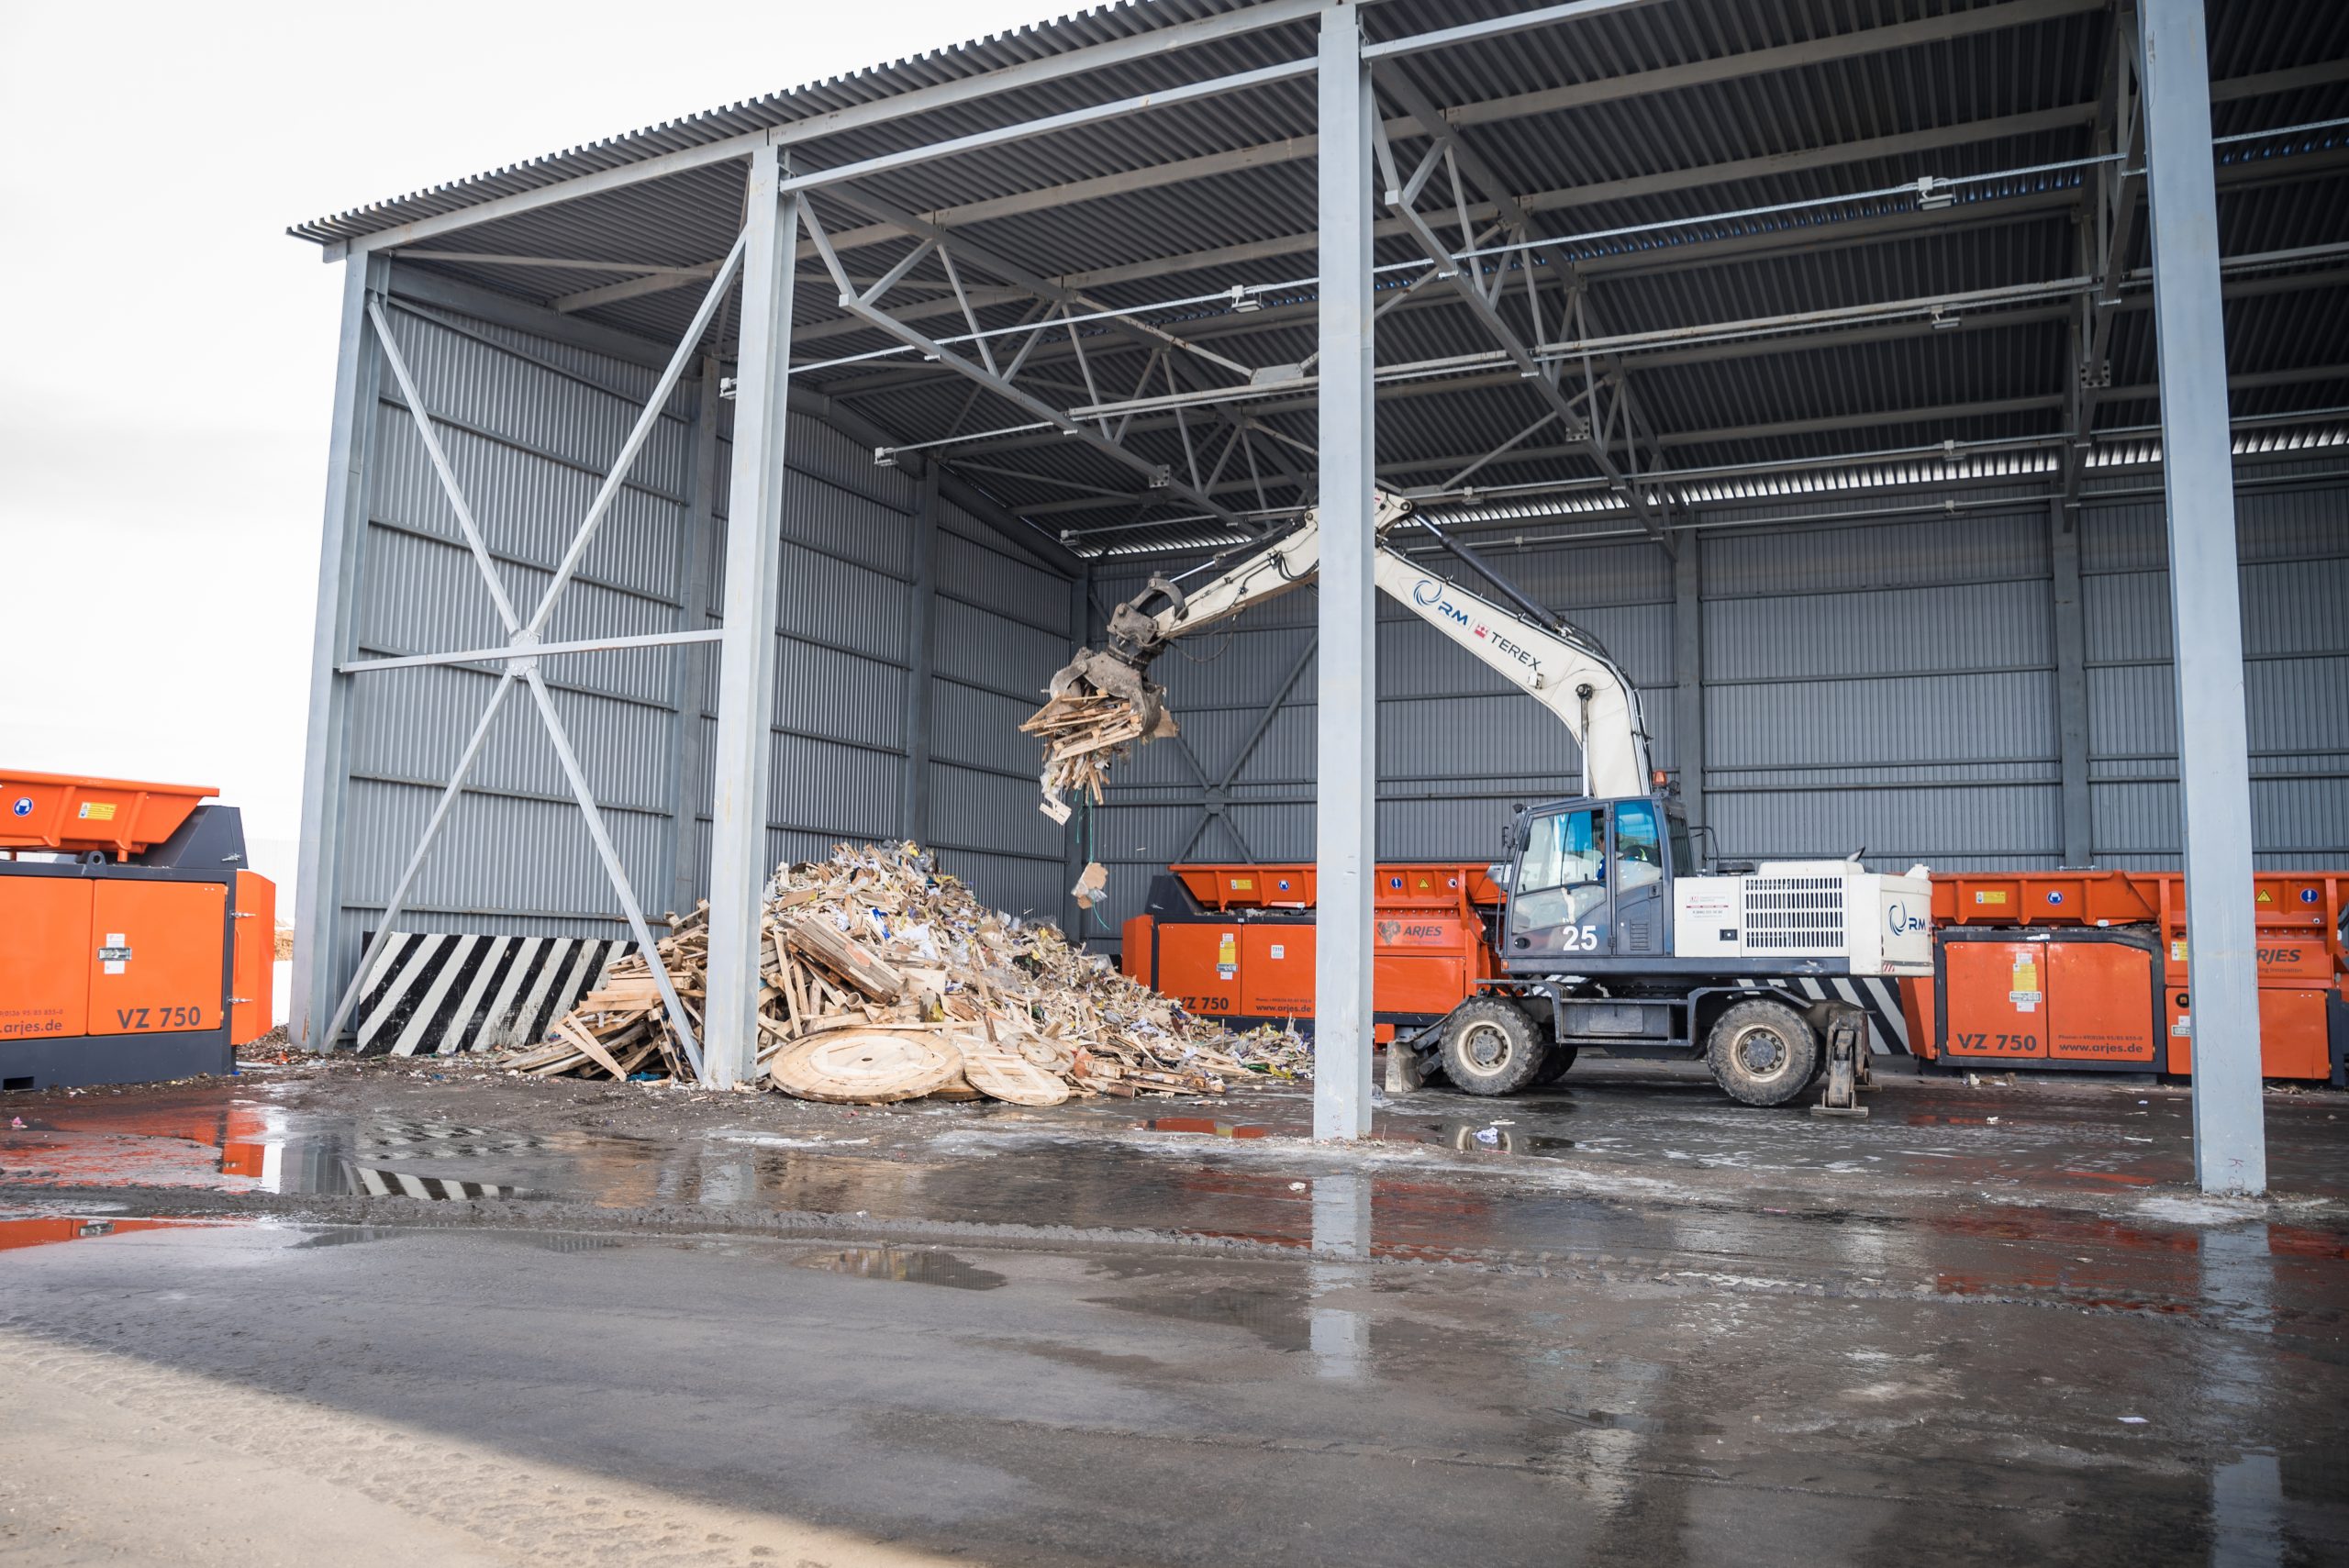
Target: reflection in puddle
<point>48,1228</point>
<point>1207,1125</point>
<point>897,1263</point>
<point>1494,1138</point>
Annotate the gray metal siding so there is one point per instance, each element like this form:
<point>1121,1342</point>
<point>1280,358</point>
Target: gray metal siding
<point>529,424</point>
<point>2295,574</point>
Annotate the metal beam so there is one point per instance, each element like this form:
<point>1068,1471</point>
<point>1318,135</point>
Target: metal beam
<point>1688,677</point>
<point>534,650</point>
<point>742,763</point>
<point>2069,615</point>
<point>1346,805</point>
<point>1148,45</point>
<point>689,670</point>
<point>325,785</point>
<point>1029,402</point>
<point>2206,611</point>
<point>921,609</point>
<point>1497,26</point>
<point>1785,57</point>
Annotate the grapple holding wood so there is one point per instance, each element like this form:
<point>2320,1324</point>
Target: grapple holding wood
<point>1102,703</point>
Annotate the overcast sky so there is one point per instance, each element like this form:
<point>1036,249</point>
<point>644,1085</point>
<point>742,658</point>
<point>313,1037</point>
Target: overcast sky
<point>167,353</point>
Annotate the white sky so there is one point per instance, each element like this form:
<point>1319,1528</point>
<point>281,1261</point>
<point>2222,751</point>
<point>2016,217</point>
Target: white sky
<point>167,353</point>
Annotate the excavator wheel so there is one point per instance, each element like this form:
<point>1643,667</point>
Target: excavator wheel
<point>1762,1053</point>
<point>1491,1047</point>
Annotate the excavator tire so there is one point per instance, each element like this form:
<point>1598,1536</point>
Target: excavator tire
<point>1762,1053</point>
<point>1555,1065</point>
<point>1491,1047</point>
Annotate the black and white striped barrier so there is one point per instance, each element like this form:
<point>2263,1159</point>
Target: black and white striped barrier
<point>431,993</point>
<point>1880,999</point>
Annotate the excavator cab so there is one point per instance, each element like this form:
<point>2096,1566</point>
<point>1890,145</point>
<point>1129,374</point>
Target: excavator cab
<point>1593,879</point>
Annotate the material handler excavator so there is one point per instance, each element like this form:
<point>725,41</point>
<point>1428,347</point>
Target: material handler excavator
<point>1613,933</point>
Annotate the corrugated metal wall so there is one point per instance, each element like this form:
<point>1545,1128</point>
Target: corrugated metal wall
<point>2295,551</point>
<point>1888,683</point>
<point>531,424</point>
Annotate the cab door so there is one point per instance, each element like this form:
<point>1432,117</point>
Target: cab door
<point>1638,869</point>
<point>1558,908</point>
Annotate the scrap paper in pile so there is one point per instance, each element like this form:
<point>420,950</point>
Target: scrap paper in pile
<point>884,979</point>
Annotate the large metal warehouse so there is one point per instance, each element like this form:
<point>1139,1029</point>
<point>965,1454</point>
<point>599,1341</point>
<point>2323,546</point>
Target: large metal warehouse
<point>1827,359</point>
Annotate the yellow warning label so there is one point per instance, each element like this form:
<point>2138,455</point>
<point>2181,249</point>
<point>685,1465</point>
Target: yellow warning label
<point>2025,996</point>
<point>2178,949</point>
<point>1227,957</point>
<point>97,811</point>
<point>1243,885</point>
<point>2266,895</point>
<point>1990,895</point>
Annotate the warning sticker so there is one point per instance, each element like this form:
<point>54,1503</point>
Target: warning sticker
<point>1990,896</point>
<point>97,811</point>
<point>116,952</point>
<point>1227,957</point>
<point>2026,994</point>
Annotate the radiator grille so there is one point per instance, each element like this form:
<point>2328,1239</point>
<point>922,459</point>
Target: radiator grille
<point>1795,912</point>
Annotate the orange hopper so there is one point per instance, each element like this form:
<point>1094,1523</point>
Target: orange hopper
<point>79,816</point>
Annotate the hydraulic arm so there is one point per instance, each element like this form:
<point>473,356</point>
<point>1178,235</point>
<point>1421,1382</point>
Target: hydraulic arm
<point>1560,666</point>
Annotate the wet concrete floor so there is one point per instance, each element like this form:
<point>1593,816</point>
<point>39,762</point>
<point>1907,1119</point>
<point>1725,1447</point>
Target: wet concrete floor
<point>1620,1319</point>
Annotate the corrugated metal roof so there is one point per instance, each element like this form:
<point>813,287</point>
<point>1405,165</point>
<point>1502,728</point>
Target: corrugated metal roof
<point>1700,161</point>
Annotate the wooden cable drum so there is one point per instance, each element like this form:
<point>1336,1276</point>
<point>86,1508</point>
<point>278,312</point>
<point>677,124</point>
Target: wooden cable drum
<point>867,1066</point>
<point>1003,1074</point>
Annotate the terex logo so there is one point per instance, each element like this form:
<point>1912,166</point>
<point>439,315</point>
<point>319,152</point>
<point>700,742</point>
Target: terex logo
<point>1431,593</point>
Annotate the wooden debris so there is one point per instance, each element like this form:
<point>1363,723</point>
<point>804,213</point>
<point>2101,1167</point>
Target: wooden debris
<point>1082,734</point>
<point>867,1067</point>
<point>884,979</point>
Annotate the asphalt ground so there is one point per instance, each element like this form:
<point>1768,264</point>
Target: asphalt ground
<point>424,1312</point>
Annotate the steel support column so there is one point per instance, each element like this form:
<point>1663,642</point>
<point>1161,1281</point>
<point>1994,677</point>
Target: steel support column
<point>2206,611</point>
<point>2071,680</point>
<point>921,612</point>
<point>1076,921</point>
<point>697,558</point>
<point>744,762</point>
<point>325,785</point>
<point>1346,809</point>
<point>1688,677</point>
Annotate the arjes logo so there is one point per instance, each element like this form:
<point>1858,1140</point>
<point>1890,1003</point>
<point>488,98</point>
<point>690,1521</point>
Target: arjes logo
<point>1395,933</point>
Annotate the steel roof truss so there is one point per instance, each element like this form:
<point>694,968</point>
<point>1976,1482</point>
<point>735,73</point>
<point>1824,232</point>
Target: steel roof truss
<point>1098,440</point>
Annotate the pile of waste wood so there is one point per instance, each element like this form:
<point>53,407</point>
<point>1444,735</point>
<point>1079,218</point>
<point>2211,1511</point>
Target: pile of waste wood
<point>1082,733</point>
<point>884,979</point>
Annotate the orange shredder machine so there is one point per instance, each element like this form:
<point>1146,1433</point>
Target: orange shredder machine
<point>2076,970</point>
<point>1235,942</point>
<point>134,945</point>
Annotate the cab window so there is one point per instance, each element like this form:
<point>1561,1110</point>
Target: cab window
<point>1563,850</point>
<point>1639,853</point>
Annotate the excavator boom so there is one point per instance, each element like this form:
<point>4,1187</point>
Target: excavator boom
<point>1103,701</point>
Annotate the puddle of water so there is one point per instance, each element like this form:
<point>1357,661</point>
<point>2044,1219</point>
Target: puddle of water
<point>50,1229</point>
<point>1207,1125</point>
<point>904,1264</point>
<point>1490,1137</point>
